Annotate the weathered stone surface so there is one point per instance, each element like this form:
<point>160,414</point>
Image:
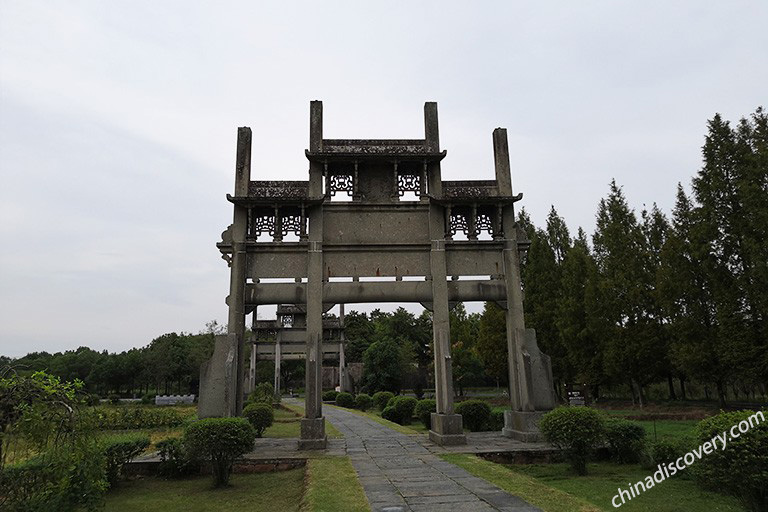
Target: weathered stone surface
<point>447,429</point>
<point>174,399</point>
<point>218,381</point>
<point>313,434</point>
<point>522,425</point>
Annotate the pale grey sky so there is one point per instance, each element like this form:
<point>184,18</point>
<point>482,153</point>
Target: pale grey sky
<point>118,122</point>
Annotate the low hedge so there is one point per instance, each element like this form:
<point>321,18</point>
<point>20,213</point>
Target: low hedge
<point>742,468</point>
<point>496,422</point>
<point>174,459</point>
<point>120,450</point>
<point>134,418</point>
<point>260,416</point>
<point>345,400</point>
<point>220,441</point>
<point>330,396</point>
<point>424,410</point>
<point>404,407</point>
<point>474,413</point>
<point>381,399</point>
<point>575,431</point>
<point>363,401</point>
<point>626,440</point>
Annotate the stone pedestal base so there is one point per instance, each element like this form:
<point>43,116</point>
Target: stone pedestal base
<point>313,434</point>
<point>523,426</point>
<point>447,430</point>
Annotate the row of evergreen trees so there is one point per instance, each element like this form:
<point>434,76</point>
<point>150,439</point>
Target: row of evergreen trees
<point>652,298</point>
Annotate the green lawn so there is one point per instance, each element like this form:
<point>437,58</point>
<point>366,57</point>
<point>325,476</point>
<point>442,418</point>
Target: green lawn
<point>254,492</point>
<point>327,484</point>
<point>288,424</point>
<point>604,479</point>
<point>333,486</point>
<point>554,488</point>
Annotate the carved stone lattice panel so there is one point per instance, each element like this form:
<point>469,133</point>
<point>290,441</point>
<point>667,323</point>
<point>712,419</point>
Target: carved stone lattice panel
<point>341,183</point>
<point>287,321</point>
<point>460,220</point>
<point>485,221</point>
<point>408,183</point>
<point>262,220</point>
<point>290,221</point>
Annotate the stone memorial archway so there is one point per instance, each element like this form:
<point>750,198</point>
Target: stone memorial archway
<point>295,242</point>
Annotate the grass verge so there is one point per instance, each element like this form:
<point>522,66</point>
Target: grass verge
<point>255,492</point>
<point>332,485</point>
<point>526,487</point>
<point>604,478</point>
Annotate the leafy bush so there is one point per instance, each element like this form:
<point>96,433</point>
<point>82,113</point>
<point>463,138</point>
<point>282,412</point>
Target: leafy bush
<point>220,441</point>
<point>260,415</point>
<point>148,399</point>
<point>114,399</point>
<point>390,413</point>
<point>575,431</point>
<point>65,479</point>
<point>133,418</point>
<point>120,450</point>
<point>663,451</point>
<point>626,440</point>
<point>363,401</point>
<point>174,459</point>
<point>496,422</point>
<point>742,468</point>
<point>92,399</point>
<point>404,405</point>
<point>382,398</point>
<point>330,396</point>
<point>424,410</point>
<point>264,392</point>
<point>474,413</point>
<point>345,400</point>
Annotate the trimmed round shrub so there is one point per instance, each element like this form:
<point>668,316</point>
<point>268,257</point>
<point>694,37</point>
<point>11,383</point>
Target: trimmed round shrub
<point>424,410</point>
<point>174,460</point>
<point>742,468</point>
<point>264,392</point>
<point>626,440</point>
<point>496,422</point>
<point>390,413</point>
<point>120,450</point>
<point>345,400</point>
<point>260,415</point>
<point>220,441</point>
<point>664,451</point>
<point>474,413</point>
<point>575,431</point>
<point>363,401</point>
<point>330,396</point>
<point>381,399</point>
<point>405,406</point>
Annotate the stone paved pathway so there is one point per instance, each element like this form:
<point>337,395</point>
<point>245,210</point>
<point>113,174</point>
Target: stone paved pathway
<point>398,473</point>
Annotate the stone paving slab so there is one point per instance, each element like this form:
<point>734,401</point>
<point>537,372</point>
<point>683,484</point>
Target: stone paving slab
<point>401,473</point>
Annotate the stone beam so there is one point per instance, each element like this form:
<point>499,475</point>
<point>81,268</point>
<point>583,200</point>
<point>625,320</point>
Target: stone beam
<point>366,292</point>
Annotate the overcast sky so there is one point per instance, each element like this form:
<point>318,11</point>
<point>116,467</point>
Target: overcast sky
<point>118,124</point>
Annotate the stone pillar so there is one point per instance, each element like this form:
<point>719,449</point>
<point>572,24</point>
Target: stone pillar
<point>236,299</point>
<point>313,425</point>
<point>525,360</point>
<point>251,384</point>
<point>446,426</point>
<point>278,362</point>
<point>343,380</point>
